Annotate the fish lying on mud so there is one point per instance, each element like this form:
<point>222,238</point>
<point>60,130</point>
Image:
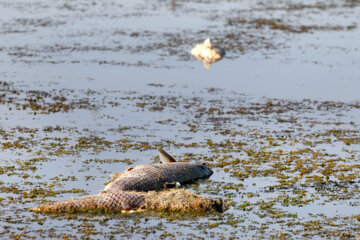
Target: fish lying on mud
<point>168,200</point>
<point>132,190</point>
<point>155,177</point>
<point>144,178</point>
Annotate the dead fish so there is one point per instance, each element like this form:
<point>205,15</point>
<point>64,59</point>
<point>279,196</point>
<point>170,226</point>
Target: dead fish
<point>131,190</point>
<point>173,200</point>
<point>157,176</point>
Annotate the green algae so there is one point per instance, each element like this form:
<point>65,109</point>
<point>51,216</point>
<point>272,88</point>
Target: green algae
<point>272,158</point>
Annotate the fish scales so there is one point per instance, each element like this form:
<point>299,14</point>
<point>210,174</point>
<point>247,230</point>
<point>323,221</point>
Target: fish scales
<point>132,189</point>
<point>153,177</point>
<point>120,201</point>
<point>109,201</point>
<point>173,200</point>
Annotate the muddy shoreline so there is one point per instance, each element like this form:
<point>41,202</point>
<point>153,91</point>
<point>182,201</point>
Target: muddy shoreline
<point>88,89</point>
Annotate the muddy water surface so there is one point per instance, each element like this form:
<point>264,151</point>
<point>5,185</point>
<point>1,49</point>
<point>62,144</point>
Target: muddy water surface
<point>91,88</point>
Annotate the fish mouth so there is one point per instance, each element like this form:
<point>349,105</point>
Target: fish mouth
<point>210,172</point>
<point>218,205</point>
<point>207,171</point>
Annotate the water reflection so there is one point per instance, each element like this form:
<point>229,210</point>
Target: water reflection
<point>173,5</point>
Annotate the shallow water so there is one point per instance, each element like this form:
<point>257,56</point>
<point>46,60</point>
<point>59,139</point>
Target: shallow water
<point>91,88</point>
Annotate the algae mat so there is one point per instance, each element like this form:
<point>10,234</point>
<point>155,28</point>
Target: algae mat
<point>88,89</point>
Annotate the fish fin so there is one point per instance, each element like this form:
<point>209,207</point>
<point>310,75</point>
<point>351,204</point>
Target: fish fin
<point>168,185</point>
<point>106,187</point>
<point>115,175</point>
<point>164,156</point>
<point>218,205</point>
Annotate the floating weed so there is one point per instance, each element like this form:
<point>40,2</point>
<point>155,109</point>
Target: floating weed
<point>273,160</point>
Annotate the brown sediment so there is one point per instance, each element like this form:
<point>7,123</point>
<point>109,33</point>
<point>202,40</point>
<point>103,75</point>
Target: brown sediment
<point>278,24</point>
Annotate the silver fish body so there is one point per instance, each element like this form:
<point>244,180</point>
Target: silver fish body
<point>153,177</point>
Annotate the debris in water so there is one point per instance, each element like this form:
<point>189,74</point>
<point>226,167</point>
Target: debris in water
<point>207,53</point>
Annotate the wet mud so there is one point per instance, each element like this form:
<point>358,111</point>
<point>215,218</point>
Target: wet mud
<point>88,89</point>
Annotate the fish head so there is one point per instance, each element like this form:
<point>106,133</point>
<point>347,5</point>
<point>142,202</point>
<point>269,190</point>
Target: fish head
<point>218,205</point>
<point>205,170</point>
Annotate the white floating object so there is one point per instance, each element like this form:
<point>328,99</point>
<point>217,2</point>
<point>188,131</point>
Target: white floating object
<point>207,53</point>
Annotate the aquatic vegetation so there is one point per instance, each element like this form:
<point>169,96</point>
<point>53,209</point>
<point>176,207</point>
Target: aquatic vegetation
<point>278,123</point>
<point>272,172</point>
